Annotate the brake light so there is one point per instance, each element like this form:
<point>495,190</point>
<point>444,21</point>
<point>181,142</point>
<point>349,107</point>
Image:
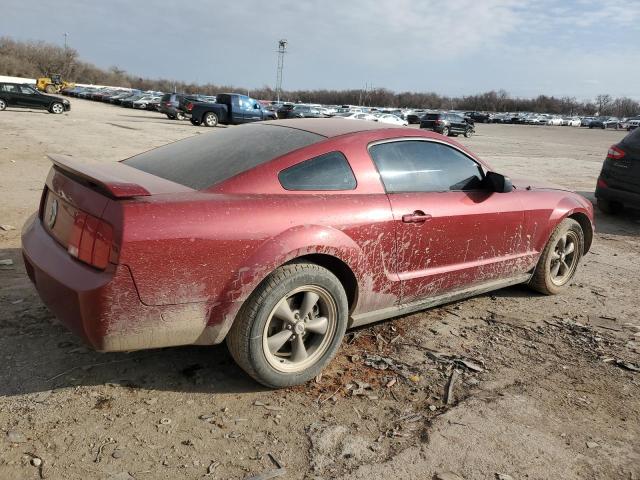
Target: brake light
<point>602,184</point>
<point>90,240</point>
<point>189,106</point>
<point>615,153</point>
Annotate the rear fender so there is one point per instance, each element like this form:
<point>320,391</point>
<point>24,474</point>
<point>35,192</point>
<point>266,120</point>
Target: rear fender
<point>289,245</point>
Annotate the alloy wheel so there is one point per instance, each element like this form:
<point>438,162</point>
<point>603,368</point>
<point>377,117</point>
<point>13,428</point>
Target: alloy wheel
<point>300,329</point>
<point>57,108</point>
<point>564,258</point>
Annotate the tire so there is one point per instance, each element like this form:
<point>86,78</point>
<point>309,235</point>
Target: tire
<point>50,89</point>
<point>195,123</point>
<point>171,117</point>
<point>210,119</point>
<point>289,285</point>
<point>566,243</point>
<point>445,131</point>
<point>3,105</point>
<point>180,116</point>
<point>57,108</point>
<point>609,207</point>
<point>468,132</point>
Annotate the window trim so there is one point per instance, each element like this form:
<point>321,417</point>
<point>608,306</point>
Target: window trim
<point>482,168</point>
<point>355,187</point>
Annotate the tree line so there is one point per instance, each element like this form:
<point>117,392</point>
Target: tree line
<point>36,58</point>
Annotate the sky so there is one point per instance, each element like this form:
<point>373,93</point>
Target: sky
<point>575,48</point>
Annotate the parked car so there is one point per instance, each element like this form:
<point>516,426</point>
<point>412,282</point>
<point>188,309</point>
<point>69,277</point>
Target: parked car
<point>479,117</point>
<point>619,181</point>
<point>571,121</point>
<point>128,101</point>
<point>229,109</point>
<point>414,116</point>
<point>446,124</point>
<point>601,122</point>
<point>143,102</point>
<point>357,116</point>
<point>633,123</point>
<point>391,120</point>
<point>259,235</point>
<point>173,105</point>
<point>19,95</point>
<point>586,121</point>
<point>300,111</point>
<point>554,120</point>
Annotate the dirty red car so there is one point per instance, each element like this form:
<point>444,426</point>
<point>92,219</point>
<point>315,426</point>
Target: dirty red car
<point>279,236</point>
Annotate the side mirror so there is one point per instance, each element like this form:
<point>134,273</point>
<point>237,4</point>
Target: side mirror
<point>256,107</point>
<point>498,183</point>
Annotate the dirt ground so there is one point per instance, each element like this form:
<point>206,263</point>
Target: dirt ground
<point>511,383</point>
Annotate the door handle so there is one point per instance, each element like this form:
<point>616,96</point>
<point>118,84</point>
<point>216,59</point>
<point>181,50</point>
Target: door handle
<point>416,217</point>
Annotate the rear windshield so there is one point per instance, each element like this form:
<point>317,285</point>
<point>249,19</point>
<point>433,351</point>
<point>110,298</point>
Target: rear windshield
<point>205,160</point>
<point>432,116</point>
<point>633,138</point>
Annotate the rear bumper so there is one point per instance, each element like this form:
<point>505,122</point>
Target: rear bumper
<point>103,307</point>
<point>629,199</point>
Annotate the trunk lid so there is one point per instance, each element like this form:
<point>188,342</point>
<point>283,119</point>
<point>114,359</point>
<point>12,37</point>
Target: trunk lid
<point>75,199</point>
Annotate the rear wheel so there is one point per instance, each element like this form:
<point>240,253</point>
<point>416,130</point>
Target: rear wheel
<point>179,116</point>
<point>50,89</point>
<point>56,108</point>
<point>609,207</point>
<point>559,260</point>
<point>291,326</point>
<point>445,131</point>
<point>3,104</point>
<point>210,119</point>
<point>468,132</point>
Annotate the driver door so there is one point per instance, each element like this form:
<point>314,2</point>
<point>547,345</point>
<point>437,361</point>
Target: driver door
<point>451,231</point>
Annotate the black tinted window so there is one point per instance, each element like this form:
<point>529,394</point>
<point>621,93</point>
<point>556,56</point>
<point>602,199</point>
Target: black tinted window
<point>432,116</point>
<point>326,172</point>
<point>419,166</point>
<point>205,160</point>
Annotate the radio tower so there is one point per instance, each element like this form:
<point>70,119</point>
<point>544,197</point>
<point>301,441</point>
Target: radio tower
<point>282,49</point>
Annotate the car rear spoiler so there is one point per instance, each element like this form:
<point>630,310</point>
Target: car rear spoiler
<point>116,179</point>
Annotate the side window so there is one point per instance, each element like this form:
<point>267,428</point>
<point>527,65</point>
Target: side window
<point>330,171</point>
<point>420,166</point>
<point>26,90</point>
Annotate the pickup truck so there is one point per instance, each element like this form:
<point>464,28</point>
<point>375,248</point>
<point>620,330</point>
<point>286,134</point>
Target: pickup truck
<point>229,109</point>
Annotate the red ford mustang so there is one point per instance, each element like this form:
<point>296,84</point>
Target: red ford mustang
<point>278,236</point>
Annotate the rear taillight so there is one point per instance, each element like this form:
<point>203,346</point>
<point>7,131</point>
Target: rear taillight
<point>189,106</point>
<point>615,153</point>
<point>602,184</point>
<point>90,240</point>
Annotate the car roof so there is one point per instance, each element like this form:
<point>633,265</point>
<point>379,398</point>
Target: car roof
<point>329,127</point>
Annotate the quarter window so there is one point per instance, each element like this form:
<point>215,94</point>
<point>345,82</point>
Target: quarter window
<point>326,172</point>
<point>420,166</point>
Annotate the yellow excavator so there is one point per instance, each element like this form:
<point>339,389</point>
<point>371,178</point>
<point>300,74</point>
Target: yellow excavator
<point>53,84</point>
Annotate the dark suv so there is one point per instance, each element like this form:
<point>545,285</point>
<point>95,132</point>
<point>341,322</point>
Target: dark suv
<point>619,181</point>
<point>447,124</point>
<point>173,105</point>
<point>25,96</point>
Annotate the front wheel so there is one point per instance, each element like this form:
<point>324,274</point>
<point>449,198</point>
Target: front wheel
<point>559,260</point>
<point>468,132</point>
<point>291,326</point>
<point>57,108</point>
<point>210,119</point>
<point>445,131</point>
